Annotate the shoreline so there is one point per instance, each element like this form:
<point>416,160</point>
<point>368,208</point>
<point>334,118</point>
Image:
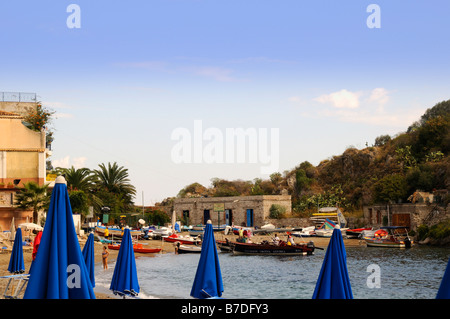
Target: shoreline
<point>104,293</point>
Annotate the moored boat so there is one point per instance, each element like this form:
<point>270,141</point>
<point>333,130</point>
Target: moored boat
<point>188,249</point>
<point>137,248</point>
<point>181,239</point>
<point>266,248</point>
<point>390,237</point>
<point>224,245</point>
<point>113,231</point>
<point>356,232</point>
<point>304,232</point>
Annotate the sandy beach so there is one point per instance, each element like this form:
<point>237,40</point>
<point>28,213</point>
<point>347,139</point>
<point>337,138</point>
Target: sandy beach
<point>167,247</point>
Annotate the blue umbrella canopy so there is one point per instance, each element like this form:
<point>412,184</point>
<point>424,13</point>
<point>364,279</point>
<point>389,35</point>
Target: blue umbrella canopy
<point>444,288</point>
<point>124,281</point>
<point>59,270</point>
<point>333,281</point>
<point>88,255</point>
<point>16,263</point>
<point>208,278</point>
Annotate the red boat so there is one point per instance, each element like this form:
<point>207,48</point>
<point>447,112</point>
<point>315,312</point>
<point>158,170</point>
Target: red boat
<point>183,240</point>
<point>137,248</point>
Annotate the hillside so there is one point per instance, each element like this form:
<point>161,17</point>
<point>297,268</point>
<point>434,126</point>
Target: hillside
<point>390,170</point>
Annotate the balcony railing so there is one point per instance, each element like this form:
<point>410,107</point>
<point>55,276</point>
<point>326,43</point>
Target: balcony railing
<point>18,97</point>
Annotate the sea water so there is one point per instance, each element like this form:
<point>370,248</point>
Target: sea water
<point>414,273</point>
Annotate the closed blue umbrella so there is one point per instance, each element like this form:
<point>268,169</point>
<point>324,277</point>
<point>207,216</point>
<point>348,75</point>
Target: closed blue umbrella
<point>444,289</point>
<point>16,263</point>
<point>208,278</point>
<point>88,255</point>
<point>333,281</point>
<point>124,281</point>
<point>59,270</point>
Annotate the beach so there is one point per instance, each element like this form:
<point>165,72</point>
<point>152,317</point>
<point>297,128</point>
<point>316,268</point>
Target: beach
<point>167,247</point>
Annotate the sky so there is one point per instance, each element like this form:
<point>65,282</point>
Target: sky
<point>157,85</point>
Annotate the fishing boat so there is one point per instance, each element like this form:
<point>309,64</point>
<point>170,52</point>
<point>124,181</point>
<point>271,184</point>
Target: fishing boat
<point>266,248</point>
<point>185,240</point>
<point>390,237</point>
<point>137,248</point>
<point>224,245</point>
<point>115,231</point>
<point>188,249</point>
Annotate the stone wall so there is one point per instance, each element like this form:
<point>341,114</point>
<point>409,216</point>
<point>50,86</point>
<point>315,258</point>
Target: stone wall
<point>413,214</point>
<point>237,204</point>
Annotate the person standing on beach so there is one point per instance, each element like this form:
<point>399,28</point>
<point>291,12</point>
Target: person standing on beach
<point>105,255</point>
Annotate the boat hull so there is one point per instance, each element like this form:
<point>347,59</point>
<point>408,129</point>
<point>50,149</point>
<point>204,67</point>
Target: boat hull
<point>138,249</point>
<point>184,249</point>
<point>373,242</point>
<point>268,249</point>
<point>181,241</point>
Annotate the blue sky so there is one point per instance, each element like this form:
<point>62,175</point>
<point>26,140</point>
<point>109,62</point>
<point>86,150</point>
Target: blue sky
<point>137,70</point>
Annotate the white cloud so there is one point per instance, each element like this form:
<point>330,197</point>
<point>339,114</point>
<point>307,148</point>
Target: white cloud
<point>379,95</point>
<point>370,107</point>
<point>341,99</point>
<point>66,162</point>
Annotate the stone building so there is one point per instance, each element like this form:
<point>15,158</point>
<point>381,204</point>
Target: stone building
<point>23,155</point>
<point>247,211</point>
<point>410,215</point>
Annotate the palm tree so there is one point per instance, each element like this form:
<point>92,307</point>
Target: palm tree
<point>32,196</point>
<point>114,180</point>
<point>81,180</point>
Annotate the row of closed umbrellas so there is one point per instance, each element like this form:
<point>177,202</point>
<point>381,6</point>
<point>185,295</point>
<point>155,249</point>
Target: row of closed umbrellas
<point>62,271</point>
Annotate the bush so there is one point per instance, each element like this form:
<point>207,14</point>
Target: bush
<point>440,231</point>
<point>422,232</point>
<point>277,211</point>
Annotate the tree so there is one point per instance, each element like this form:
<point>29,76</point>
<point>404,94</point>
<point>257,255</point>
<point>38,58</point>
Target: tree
<point>79,202</point>
<point>32,196</point>
<point>114,180</point>
<point>382,140</point>
<point>390,188</point>
<point>84,180</point>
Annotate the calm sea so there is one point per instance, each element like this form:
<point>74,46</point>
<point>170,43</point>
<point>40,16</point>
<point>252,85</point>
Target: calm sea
<point>414,273</point>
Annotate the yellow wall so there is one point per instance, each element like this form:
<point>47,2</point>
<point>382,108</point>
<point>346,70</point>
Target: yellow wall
<point>22,164</point>
<point>15,135</point>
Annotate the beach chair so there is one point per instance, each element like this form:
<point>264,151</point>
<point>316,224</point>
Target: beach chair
<point>15,285</point>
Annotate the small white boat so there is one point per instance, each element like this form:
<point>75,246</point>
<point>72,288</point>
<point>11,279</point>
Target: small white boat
<point>187,249</point>
<point>161,232</point>
<point>305,232</point>
<point>324,232</point>
<point>390,236</point>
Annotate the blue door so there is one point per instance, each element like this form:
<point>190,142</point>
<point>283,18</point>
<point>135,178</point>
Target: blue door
<point>206,216</point>
<point>249,217</point>
<point>228,217</point>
